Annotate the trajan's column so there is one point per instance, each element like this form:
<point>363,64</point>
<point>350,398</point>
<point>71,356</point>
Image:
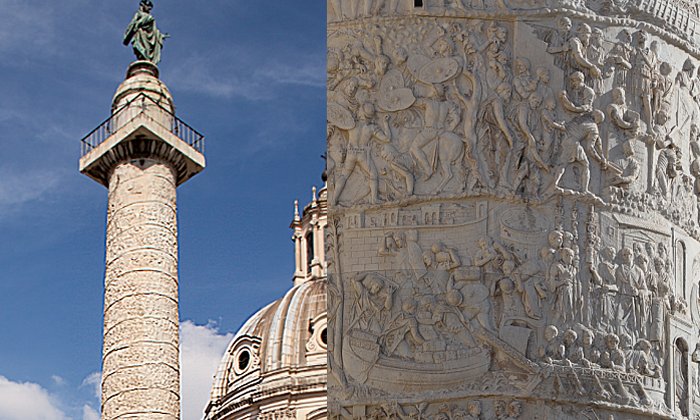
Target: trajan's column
<point>513,228</point>
<point>141,154</point>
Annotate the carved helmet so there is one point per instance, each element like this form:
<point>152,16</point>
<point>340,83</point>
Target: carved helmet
<point>147,3</point>
<point>584,29</point>
<point>688,65</point>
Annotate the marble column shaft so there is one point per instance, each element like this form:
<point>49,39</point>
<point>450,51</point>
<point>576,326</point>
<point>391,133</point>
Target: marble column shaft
<point>141,374</point>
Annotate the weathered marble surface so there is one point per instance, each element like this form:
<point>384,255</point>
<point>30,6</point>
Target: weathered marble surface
<point>514,209</point>
<point>141,369</point>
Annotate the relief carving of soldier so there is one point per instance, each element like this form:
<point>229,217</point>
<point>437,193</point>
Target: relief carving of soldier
<point>663,89</point>
<point>642,75</point>
<point>359,152</point>
<point>403,333</point>
<point>597,57</point>
<point>440,119</point>
<point>562,276</point>
<point>628,276</point>
<point>582,138</point>
<point>579,46</point>
<point>604,289</point>
<point>477,172</point>
<point>440,261</point>
<point>620,59</point>
<point>630,168</point>
<point>511,303</point>
<point>374,299</point>
<point>558,41</point>
<point>524,158</point>
<point>490,258</point>
<point>625,122</point>
<point>530,283</point>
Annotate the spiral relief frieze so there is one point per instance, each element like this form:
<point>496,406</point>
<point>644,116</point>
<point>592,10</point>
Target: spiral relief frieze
<point>514,209</point>
<point>140,362</point>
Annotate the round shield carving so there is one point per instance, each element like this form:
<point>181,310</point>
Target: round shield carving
<point>439,70</point>
<point>416,63</point>
<point>393,95</point>
<point>396,100</point>
<point>340,117</point>
<point>393,79</point>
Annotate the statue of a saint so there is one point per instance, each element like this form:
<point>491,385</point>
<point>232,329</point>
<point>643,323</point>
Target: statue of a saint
<point>144,35</point>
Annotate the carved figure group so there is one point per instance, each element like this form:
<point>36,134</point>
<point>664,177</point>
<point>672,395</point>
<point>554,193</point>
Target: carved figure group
<point>461,122</point>
<point>459,114</point>
<point>611,351</point>
<point>450,112</point>
<point>633,293</point>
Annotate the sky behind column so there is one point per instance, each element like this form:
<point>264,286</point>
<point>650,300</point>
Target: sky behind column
<point>248,74</point>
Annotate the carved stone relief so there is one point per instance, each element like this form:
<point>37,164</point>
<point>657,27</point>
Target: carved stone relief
<point>141,289</point>
<point>514,213</point>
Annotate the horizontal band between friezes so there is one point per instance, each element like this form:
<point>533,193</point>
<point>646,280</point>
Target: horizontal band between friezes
<point>105,376</point>
<point>114,302</point>
<point>138,343</point>
<point>107,400</point>
<point>120,323</point>
<point>164,273</point>
<point>143,248</point>
<point>121,416</point>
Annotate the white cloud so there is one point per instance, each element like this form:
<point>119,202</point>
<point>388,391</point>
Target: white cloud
<point>307,73</point>
<point>94,380</point>
<point>89,413</point>
<point>24,26</point>
<point>201,349</point>
<point>20,187</point>
<point>27,401</point>
<point>247,74</point>
<point>57,380</point>
<point>202,81</point>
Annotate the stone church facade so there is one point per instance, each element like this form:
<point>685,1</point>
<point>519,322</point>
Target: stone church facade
<point>513,229</point>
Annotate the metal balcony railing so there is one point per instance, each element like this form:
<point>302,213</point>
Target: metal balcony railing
<point>103,131</point>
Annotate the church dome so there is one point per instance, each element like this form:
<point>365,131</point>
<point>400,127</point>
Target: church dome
<point>276,365</point>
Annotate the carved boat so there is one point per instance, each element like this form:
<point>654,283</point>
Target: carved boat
<point>363,361</point>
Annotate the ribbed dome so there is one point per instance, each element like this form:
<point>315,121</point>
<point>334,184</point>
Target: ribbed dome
<point>280,352</point>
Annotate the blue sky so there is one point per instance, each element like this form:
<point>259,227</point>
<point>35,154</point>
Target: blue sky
<point>248,74</point>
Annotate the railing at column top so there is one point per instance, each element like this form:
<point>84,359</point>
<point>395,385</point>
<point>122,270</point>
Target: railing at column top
<point>178,127</point>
